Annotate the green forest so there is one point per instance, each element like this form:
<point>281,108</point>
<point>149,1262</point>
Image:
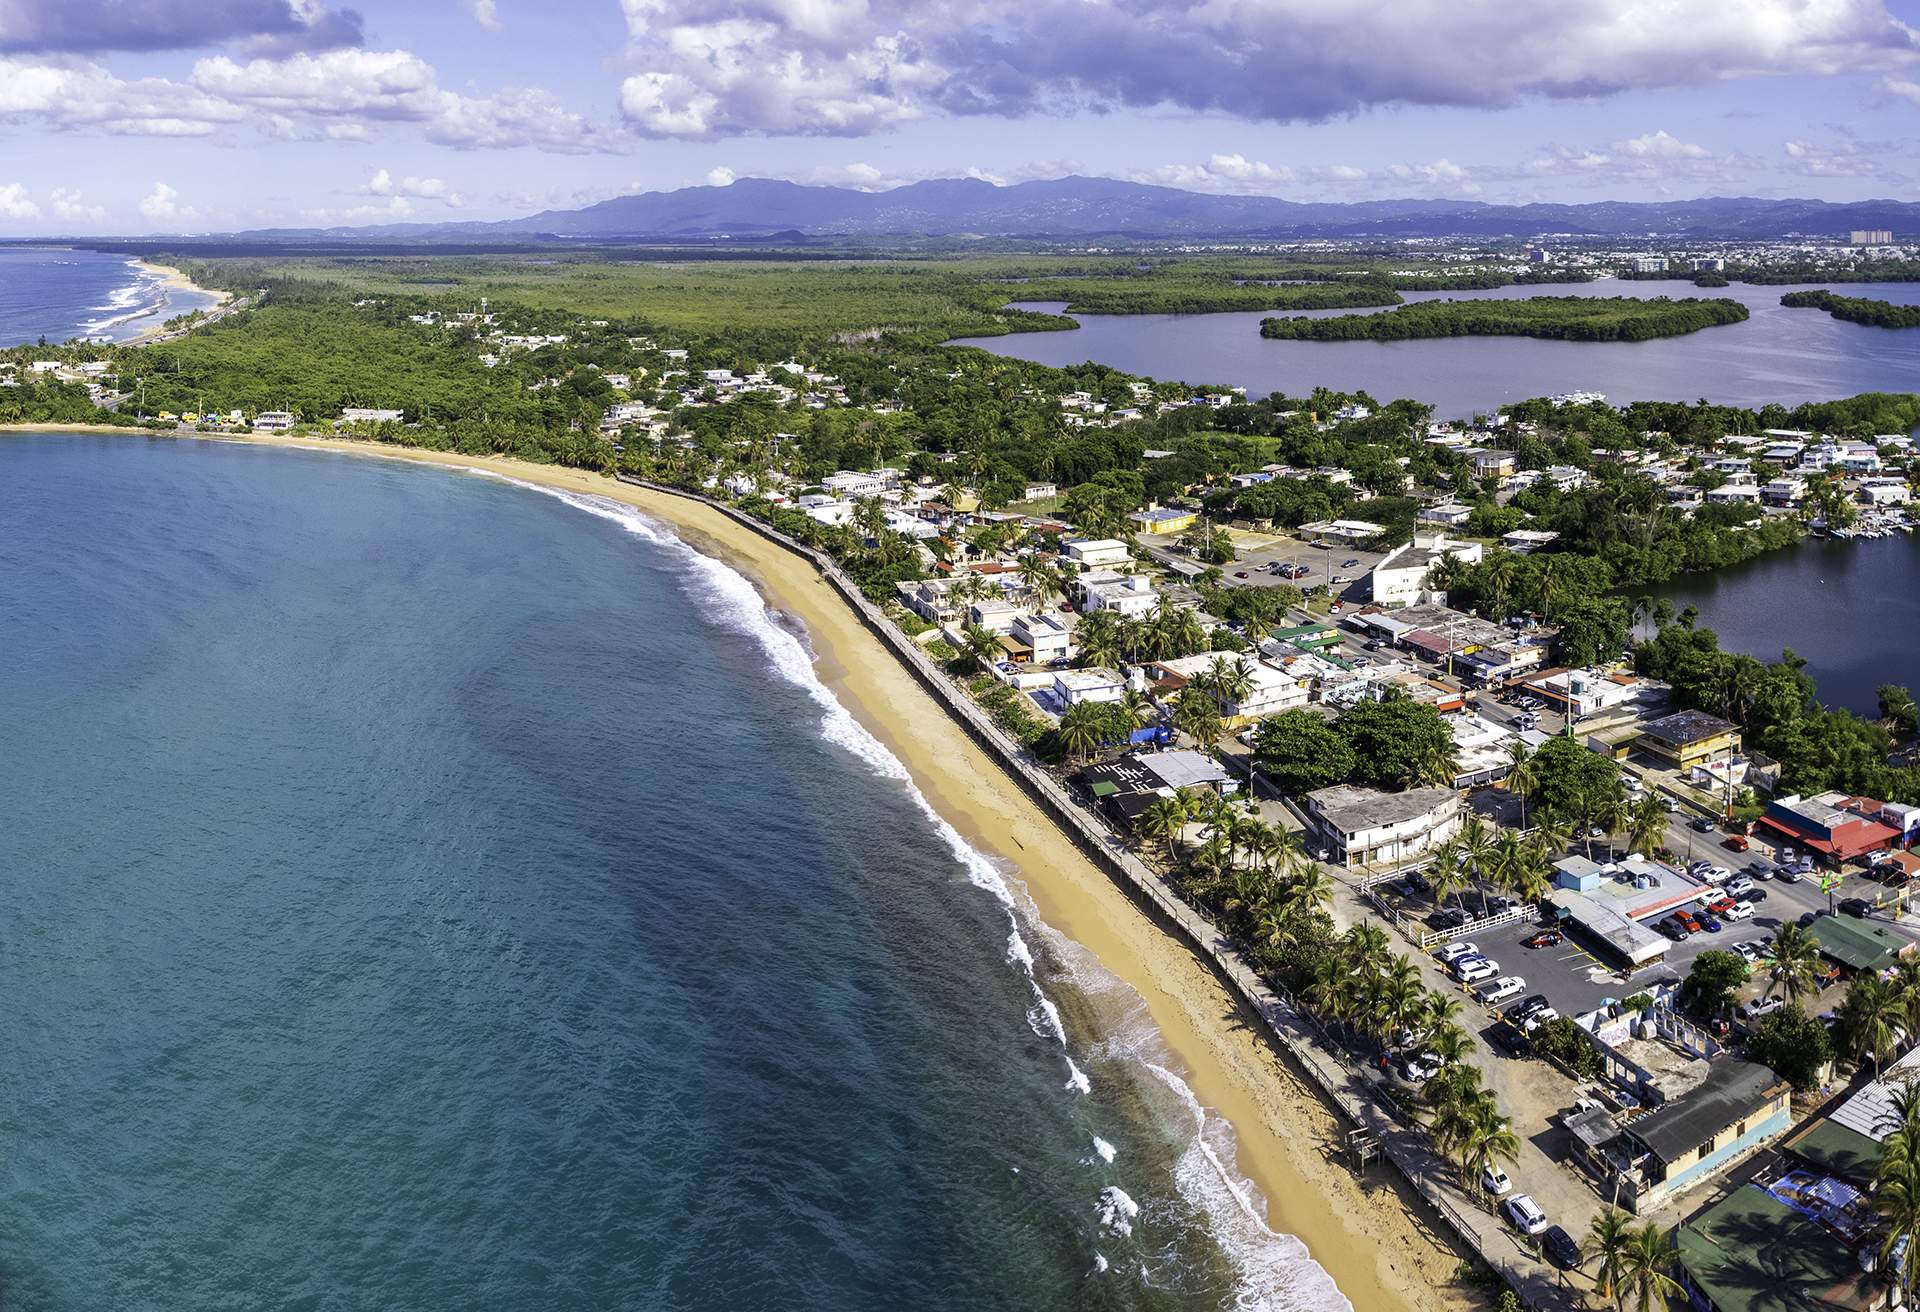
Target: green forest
<point>1563,318</point>
<point>1856,309</point>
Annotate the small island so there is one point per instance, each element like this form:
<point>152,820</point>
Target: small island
<point>1564,318</point>
<point>1856,309</point>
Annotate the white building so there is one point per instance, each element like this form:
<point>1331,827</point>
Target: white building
<point>365,415</point>
<point>272,421</point>
<point>1128,594</point>
<point>1039,491</point>
<point>1096,553</point>
<point>1366,827</point>
<point>995,614</point>
<point>1886,492</point>
<point>1045,634</point>
<point>851,483</point>
<point>1271,690</point>
<point>1095,684</point>
<point>1452,514</point>
<point>1400,579</point>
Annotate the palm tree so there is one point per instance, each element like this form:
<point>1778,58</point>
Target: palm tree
<point>982,644</point>
<point>1229,680</point>
<point>1308,891</point>
<point>1449,1042</point>
<point>1164,818</point>
<point>1646,826</point>
<point>1199,717</point>
<point>1447,875</point>
<point>1035,574</point>
<point>1645,1264</point>
<point>1477,842</point>
<point>1365,950</point>
<point>1098,636</point>
<point>1080,730</point>
<point>1868,1018</point>
<point>1608,1240</point>
<point>1897,1199</point>
<point>1138,706</point>
<point>1490,1139</point>
<point>1523,776</point>
<point>1795,957</point>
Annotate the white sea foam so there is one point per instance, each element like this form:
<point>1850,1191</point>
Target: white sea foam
<point>1276,1273</point>
<point>1116,1210</point>
<point>1103,1149</point>
<point>142,298</point>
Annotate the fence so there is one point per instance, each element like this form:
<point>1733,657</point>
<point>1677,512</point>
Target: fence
<point>1289,1025</point>
<point>1428,938</point>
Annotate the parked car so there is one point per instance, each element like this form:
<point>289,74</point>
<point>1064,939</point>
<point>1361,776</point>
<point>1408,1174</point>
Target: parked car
<point>1546,938</point>
<point>1499,990</point>
<point>1471,970</point>
<point>1421,1068</point>
<point>1560,1248</point>
<point>1739,911</point>
<point>1720,906</point>
<point>1672,928</point>
<point>1510,1040</point>
<point>1241,574</point>
<point>1739,884</point>
<point>1539,1018</point>
<point>1495,1181</point>
<point>1531,1005</point>
<point>1525,1214</point>
<point>1759,1007</point>
<point>1710,922</point>
<point>1789,875</point>
<point>1449,953</point>
<point>1749,950</point>
<point>1350,562</point>
<point>1701,824</point>
<point>1856,907</point>
<point>1688,921</point>
<point>1700,869</point>
<point>1734,843</point>
<point>1373,644</point>
<point>1448,918</point>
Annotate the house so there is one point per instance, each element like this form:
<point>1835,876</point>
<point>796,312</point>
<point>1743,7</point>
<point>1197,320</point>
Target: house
<point>1688,738</point>
<point>1489,463</point>
<point>1784,492</point>
<point>1340,530</point>
<point>851,484</point>
<point>1045,637</point>
<point>1789,1245</point>
<point>366,415</point>
<point>1858,945</point>
<point>1400,579</point>
<point>1451,513</point>
<point>1125,594</point>
<point>1566,477</point>
<point>1160,521</point>
<point>1039,492</point>
<point>1743,492</point>
<point>272,421</point>
<point>1885,492</point>
<point>995,614</point>
<point>1736,1109</point>
<point>1096,553</point>
<point>1094,684</point>
<point>1269,692</point>
<point>1365,826</point>
<point>1524,541</point>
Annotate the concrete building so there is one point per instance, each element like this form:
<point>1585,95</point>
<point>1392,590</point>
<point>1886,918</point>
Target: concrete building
<point>1128,594</point>
<point>1365,826</point>
<point>1688,738</point>
<point>1162,521</point>
<point>368,415</point>
<point>1096,553</point>
<point>1832,827</point>
<point>1271,692</point>
<point>272,421</point>
<point>1400,579</point>
<point>1045,637</point>
<point>1870,237</point>
<point>1072,687</point>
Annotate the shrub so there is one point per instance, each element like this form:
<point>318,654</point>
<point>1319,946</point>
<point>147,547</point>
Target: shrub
<point>1567,1044</point>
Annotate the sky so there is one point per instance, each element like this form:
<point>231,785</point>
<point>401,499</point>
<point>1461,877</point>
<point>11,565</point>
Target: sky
<point>177,116</point>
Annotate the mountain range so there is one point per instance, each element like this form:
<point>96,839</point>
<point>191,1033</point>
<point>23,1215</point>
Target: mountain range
<point>1076,207</point>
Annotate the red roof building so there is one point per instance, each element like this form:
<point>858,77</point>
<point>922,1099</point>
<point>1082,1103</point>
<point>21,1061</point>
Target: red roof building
<point>1835,826</point>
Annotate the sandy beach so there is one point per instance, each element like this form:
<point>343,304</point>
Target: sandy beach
<point>172,280</point>
<point>1374,1240</point>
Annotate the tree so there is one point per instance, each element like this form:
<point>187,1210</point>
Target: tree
<point>1646,826</point>
<point>1521,775</point>
<point>1489,1139</point>
<point>1302,752</point>
<point>1791,1044</point>
<point>1396,741</point>
<point>1796,957</point>
<point>1081,730</point>
<point>983,645</point>
<point>1645,1265</point>
<point>1164,818</point>
<point>1198,716</point>
<point>1608,1240</point>
<point>1868,1018</point>
<point>1710,985</point>
<point>1897,1200</point>
<point>1898,709</point>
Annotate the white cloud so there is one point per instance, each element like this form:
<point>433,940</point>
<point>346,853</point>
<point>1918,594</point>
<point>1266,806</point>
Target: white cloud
<point>83,95</point>
<point>70,205</point>
<point>485,14</point>
<point>162,205</point>
<point>1221,173</point>
<point>712,68</point>
<point>15,203</point>
<point>1902,87</point>
<point>1652,157</point>
<point>720,176</point>
<point>411,188</point>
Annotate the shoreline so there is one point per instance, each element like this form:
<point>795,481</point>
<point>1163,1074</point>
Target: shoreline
<point>1371,1238</point>
<point>171,280</point>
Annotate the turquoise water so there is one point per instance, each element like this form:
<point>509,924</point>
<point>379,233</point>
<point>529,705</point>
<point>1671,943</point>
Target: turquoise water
<point>423,892</point>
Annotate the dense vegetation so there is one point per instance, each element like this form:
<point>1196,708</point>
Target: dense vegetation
<point>1856,309</point>
<point>1391,744</point>
<point>1563,318</point>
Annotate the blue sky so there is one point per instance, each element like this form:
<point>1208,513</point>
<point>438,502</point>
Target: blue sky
<point>214,115</point>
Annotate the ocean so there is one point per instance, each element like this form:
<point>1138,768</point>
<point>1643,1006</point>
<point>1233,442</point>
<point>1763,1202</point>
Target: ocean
<point>425,891</point>
<point>53,294</point>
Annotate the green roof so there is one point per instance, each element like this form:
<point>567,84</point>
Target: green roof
<point>1856,944</point>
<point>1753,1253</point>
<point>1837,1150</point>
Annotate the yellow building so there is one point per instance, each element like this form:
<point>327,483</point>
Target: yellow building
<point>1689,738</point>
<point>1158,521</point>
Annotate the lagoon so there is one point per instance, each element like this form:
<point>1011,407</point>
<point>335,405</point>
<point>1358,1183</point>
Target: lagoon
<point>1778,356</point>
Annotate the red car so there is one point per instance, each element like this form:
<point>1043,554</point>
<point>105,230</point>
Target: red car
<point>1735,842</point>
<point>1721,907</point>
<point>1546,938</point>
<point>1688,921</point>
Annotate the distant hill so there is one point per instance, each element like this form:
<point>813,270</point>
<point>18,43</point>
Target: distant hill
<point>762,209</point>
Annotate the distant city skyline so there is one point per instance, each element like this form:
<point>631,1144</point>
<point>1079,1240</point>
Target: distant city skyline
<point>207,115</point>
